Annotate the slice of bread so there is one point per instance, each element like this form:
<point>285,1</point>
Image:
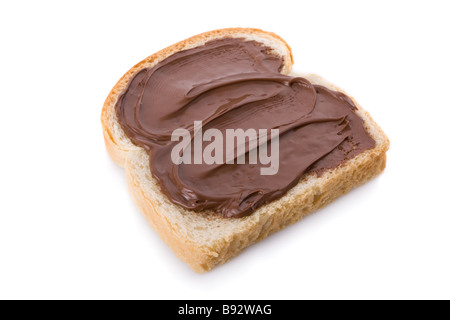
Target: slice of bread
<point>203,240</point>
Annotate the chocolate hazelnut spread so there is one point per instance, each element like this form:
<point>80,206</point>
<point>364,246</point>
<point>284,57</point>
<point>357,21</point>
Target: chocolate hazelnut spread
<point>236,84</point>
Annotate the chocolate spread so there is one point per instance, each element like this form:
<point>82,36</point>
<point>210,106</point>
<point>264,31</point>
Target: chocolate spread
<point>231,84</point>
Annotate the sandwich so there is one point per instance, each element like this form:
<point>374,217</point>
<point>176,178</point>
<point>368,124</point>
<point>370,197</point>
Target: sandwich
<point>224,144</point>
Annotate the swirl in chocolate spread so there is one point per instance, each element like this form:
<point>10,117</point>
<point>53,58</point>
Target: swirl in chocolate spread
<point>231,84</point>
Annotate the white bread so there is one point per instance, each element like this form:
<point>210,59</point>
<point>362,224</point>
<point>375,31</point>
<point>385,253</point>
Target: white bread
<point>203,240</point>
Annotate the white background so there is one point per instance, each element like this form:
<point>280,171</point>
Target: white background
<point>68,228</point>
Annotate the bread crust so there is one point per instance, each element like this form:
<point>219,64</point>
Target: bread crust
<point>202,240</point>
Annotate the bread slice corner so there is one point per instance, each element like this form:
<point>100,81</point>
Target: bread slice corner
<point>203,240</point>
